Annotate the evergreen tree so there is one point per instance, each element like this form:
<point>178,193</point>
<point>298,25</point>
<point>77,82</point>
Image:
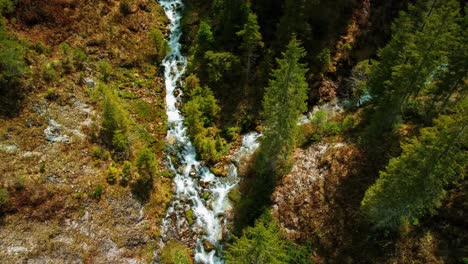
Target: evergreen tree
<point>230,15</point>
<point>422,38</point>
<point>261,244</point>
<point>205,41</point>
<point>251,42</point>
<point>294,21</point>
<point>415,183</point>
<point>284,101</point>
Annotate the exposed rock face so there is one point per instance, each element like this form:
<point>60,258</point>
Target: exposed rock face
<point>303,199</point>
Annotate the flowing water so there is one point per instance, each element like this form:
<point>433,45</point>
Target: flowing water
<point>199,212</point>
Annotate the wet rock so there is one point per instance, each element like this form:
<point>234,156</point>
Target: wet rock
<point>193,172</point>
<point>89,82</point>
<point>207,245</point>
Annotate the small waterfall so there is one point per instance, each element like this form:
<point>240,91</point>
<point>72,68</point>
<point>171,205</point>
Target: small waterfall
<point>199,195</point>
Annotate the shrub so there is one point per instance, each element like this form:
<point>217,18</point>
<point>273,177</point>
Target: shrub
<point>348,123</point>
<point>112,174</point>
<point>97,193</point>
<point>176,253</point>
<point>114,122</point>
<point>189,216</point>
<point>125,7</point>
<point>146,162</point>
<point>332,128</point>
<point>324,58</point>
<point>96,152</point>
<point>42,167</point>
<point>4,197</point>
<point>126,176</point>
<point>160,43</point>
<point>105,68</point>
<point>49,73</point>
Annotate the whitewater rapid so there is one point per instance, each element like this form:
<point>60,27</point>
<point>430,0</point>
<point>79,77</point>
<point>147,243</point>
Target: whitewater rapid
<point>197,191</point>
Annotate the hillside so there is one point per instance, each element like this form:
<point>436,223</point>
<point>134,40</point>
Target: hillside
<point>233,131</point>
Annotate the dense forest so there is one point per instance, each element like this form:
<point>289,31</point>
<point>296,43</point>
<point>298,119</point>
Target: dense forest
<point>360,108</point>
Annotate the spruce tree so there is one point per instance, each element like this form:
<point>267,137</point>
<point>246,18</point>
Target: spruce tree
<point>421,41</point>
<point>414,184</point>
<point>262,244</point>
<point>251,42</point>
<point>284,101</point>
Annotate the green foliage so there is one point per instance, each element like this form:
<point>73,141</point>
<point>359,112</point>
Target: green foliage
<point>414,184</point>
<point>105,68</point>
<point>96,152</point>
<point>126,173</point>
<point>7,6</point>
<point>201,112</point>
<point>42,167</point>
<point>300,254</point>
<point>12,68</point>
<point>422,38</point>
<point>145,162</point>
<point>49,74</point>
<point>219,65</point>
<point>97,193</point>
<point>204,42</point>
<point>262,243</point>
<point>114,122</point>
<point>230,16</point>
<point>4,197</point>
<point>160,43</point>
<point>112,174</point>
<point>189,216</point>
<point>146,166</point>
<point>324,58</point>
<point>284,101</point>
<point>176,253</point>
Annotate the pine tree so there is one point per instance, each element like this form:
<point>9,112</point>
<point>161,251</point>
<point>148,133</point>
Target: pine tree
<point>262,244</point>
<point>414,184</point>
<point>284,101</point>
<point>251,42</point>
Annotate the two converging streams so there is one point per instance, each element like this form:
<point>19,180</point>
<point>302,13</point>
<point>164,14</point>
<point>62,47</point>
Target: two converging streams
<point>198,212</point>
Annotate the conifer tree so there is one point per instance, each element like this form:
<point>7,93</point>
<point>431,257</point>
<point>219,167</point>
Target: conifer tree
<point>251,42</point>
<point>205,41</point>
<point>422,38</point>
<point>414,184</point>
<point>294,21</point>
<point>230,15</point>
<point>284,101</point>
<point>261,244</point>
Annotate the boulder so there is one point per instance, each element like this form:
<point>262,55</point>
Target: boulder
<point>208,245</point>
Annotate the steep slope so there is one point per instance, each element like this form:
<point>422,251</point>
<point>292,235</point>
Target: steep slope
<point>62,202</point>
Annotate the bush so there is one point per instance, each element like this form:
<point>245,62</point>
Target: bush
<point>49,73</point>
<point>97,193</point>
<point>332,128</point>
<point>160,43</point>
<point>324,58</point>
<point>126,176</point>
<point>4,197</point>
<point>112,174</point>
<point>125,7</point>
<point>347,123</point>
<point>146,162</point>
<point>114,122</point>
<point>176,253</point>
<point>105,68</point>
<point>96,152</point>
<point>42,167</point>
<point>12,68</point>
